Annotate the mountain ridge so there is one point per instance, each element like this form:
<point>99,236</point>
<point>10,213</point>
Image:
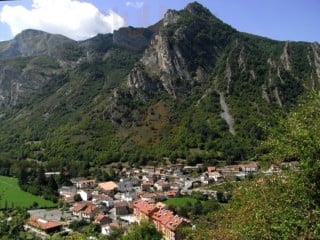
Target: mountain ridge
<point>188,82</point>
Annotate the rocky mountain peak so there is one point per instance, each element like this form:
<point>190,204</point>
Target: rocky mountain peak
<point>197,9</point>
<point>170,17</point>
<point>32,43</point>
<point>169,61</point>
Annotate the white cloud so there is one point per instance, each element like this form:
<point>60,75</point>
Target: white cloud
<point>135,4</point>
<point>72,18</point>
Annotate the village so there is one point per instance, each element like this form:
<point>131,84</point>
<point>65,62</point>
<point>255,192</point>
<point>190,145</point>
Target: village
<point>138,196</point>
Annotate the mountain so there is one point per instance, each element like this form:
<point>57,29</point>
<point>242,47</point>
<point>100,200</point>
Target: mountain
<point>189,86</point>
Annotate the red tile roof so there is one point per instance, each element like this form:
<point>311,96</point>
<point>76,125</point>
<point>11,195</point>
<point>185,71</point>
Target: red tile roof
<point>172,192</point>
<point>174,223</point>
<point>211,169</point>
<point>90,209</point>
<point>144,207</point>
<point>79,206</point>
<point>91,181</point>
<point>162,216</point>
<point>99,217</point>
<point>43,223</point>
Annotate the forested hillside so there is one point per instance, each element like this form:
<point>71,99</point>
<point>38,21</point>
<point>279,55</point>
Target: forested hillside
<point>188,87</point>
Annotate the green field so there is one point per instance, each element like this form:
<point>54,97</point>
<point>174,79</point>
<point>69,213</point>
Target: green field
<point>12,196</point>
<point>180,201</point>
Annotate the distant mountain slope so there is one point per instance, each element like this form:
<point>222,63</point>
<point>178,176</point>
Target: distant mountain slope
<point>189,86</point>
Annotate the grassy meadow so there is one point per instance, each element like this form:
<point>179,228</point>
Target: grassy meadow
<point>12,196</point>
<point>183,201</point>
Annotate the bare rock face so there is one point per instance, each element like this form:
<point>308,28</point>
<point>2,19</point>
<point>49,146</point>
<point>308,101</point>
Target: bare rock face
<point>160,64</point>
<point>32,43</point>
<point>17,84</point>
<point>316,53</point>
<point>136,39</point>
<point>28,63</point>
<point>165,63</point>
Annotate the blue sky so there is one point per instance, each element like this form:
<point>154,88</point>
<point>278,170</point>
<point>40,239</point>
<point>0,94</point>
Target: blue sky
<point>295,20</point>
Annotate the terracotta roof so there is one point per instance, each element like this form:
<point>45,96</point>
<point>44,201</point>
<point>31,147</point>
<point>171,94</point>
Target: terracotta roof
<point>172,192</point>
<point>108,186</point>
<point>79,206</point>
<point>90,209</point>
<point>148,195</point>
<point>145,183</point>
<point>101,197</point>
<point>144,206</point>
<point>174,223</point>
<point>162,216</point>
<point>43,223</point>
<point>249,165</point>
<point>99,217</point>
<point>87,181</point>
<point>162,183</point>
<point>211,169</point>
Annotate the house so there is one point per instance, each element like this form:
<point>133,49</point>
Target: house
<point>274,169</point>
<point>78,208</point>
<point>190,168</point>
<point>249,167</point>
<point>173,227</point>
<point>204,178</point>
<point>216,176</point>
<point>89,212</point>
<point>126,185</point>
<point>229,168</point>
<point>83,182</point>
<point>146,186</point>
<point>162,185</point>
<point>85,194</point>
<point>102,219</point>
<point>147,196</point>
<point>108,187</point>
<point>211,169</point>
<point>159,170</point>
<point>148,169</point>
<point>122,208</point>
<point>45,226</point>
<point>172,193</point>
<point>142,210</point>
<point>169,224</point>
<point>67,196</point>
<point>241,175</point>
<point>67,191</point>
<point>85,210</point>
<point>164,220</point>
<point>128,197</point>
<point>151,177</point>
<point>174,167</point>
<point>102,199</point>
<point>160,219</point>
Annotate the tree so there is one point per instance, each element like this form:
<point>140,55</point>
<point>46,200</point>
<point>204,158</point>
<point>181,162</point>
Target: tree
<point>145,231</point>
<point>77,198</point>
<point>197,208</point>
